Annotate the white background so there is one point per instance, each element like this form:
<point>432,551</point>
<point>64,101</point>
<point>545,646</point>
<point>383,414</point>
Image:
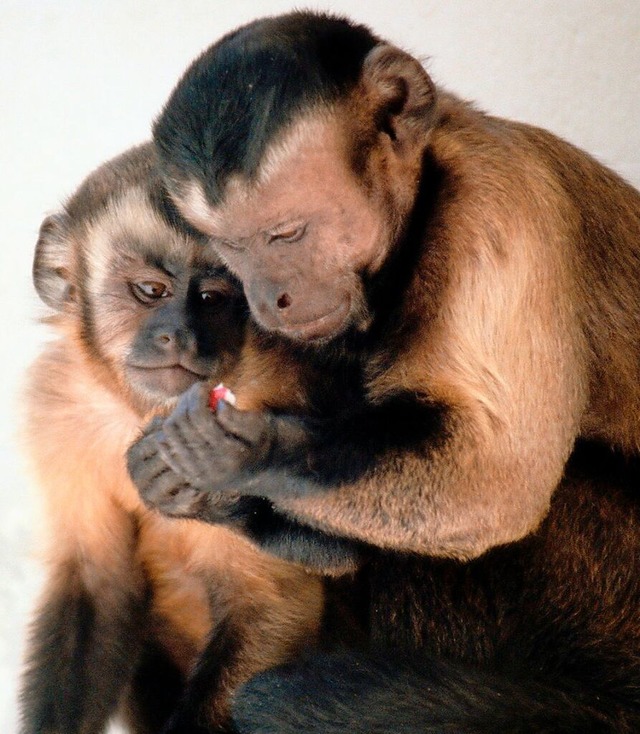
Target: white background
<point>82,80</point>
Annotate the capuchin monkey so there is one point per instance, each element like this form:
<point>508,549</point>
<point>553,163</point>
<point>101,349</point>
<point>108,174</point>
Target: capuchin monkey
<point>483,274</point>
<point>480,281</point>
<point>132,598</point>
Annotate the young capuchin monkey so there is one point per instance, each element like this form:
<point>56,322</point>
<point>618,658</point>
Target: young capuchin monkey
<point>133,598</point>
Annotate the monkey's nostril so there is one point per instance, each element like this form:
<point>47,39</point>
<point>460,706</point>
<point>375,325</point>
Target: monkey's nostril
<point>284,301</point>
<point>163,339</point>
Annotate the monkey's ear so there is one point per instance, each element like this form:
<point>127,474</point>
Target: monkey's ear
<point>52,263</point>
<point>400,92</point>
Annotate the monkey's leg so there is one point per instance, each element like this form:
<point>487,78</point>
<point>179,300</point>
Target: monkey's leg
<point>358,694</point>
<point>86,638</point>
<point>202,708</point>
<point>258,627</point>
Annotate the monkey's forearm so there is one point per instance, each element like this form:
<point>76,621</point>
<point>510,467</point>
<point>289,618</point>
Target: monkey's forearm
<point>292,541</point>
<point>453,502</point>
<point>411,477</point>
<point>404,475</point>
<point>255,517</point>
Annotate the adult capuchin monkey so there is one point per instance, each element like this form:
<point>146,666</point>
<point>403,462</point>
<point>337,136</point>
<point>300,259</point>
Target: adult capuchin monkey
<point>132,598</point>
<point>484,278</point>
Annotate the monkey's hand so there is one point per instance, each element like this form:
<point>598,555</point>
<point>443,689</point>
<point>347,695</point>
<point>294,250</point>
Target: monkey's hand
<point>198,451</point>
<point>160,487</point>
<point>223,449</point>
<point>186,438</point>
<point>163,489</point>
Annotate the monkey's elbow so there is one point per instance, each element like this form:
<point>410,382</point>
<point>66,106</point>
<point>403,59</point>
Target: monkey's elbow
<point>493,515</point>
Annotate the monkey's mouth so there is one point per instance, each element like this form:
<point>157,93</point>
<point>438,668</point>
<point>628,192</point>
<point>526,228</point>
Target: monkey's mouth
<point>320,329</point>
<point>165,381</point>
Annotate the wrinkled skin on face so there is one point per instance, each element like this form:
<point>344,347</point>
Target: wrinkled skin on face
<point>301,236</point>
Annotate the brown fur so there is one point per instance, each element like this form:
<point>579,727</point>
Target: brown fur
<point>81,415</point>
<point>518,320</point>
<point>496,320</point>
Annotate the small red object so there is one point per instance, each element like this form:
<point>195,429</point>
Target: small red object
<point>221,392</point>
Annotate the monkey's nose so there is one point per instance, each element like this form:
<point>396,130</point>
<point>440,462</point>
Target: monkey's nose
<point>284,301</point>
<point>164,339</point>
<point>175,340</point>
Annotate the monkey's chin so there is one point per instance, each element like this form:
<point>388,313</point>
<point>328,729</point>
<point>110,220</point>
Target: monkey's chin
<point>320,330</point>
<point>163,382</point>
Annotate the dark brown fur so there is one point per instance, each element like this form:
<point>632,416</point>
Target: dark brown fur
<point>540,636</point>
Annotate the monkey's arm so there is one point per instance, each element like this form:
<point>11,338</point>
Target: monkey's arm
<point>90,624</point>
<point>403,474</point>
<point>182,495</point>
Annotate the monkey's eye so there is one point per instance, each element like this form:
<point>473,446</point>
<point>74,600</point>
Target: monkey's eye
<point>290,234</point>
<point>223,244</point>
<point>148,291</point>
<point>212,297</point>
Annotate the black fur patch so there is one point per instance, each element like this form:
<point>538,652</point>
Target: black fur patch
<point>363,694</point>
<point>155,691</point>
<point>243,90</point>
<point>193,712</point>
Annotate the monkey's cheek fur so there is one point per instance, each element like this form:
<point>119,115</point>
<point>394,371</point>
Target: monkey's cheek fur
<point>164,382</point>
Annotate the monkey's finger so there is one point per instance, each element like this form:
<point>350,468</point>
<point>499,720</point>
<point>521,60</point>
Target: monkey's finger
<point>194,405</point>
<point>192,467</point>
<point>153,426</point>
<point>145,447</point>
<point>144,461</point>
<point>187,446</point>
<point>251,427</point>
<point>158,484</point>
<point>194,412</point>
<point>193,417</point>
<point>183,500</point>
<point>209,471</point>
<point>169,494</point>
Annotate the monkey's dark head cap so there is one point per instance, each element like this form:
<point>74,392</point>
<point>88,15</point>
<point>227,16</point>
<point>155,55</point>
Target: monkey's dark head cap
<point>239,93</point>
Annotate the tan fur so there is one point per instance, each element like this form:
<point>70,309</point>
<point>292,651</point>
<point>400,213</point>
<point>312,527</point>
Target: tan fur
<point>509,310</point>
<point>77,434</point>
<point>191,198</point>
<point>292,142</point>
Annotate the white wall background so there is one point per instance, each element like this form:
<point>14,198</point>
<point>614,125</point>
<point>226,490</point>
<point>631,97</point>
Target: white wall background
<point>81,80</point>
